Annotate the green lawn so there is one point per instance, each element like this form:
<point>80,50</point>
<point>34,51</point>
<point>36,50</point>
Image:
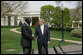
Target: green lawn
<point>11,40</point>
<point>58,34</point>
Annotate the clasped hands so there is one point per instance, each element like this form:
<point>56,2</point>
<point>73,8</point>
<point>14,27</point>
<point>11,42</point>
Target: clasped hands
<point>34,38</point>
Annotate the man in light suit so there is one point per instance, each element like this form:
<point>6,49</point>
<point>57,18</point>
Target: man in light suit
<point>43,34</point>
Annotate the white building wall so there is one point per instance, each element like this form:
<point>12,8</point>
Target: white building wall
<point>6,20</point>
<point>12,20</point>
<point>2,21</point>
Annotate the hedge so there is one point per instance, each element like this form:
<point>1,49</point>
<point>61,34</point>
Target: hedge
<point>60,29</point>
<point>76,33</point>
<point>9,26</point>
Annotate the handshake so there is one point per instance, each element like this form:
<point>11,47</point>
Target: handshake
<point>33,38</point>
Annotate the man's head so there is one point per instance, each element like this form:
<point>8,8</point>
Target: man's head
<point>28,20</point>
<point>41,21</point>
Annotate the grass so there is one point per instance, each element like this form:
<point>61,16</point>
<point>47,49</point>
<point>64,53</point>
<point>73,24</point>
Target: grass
<point>11,40</point>
<point>52,43</point>
<point>58,34</point>
<point>67,35</point>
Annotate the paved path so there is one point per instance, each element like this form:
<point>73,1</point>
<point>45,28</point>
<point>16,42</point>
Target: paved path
<point>68,49</point>
<point>14,30</point>
<point>78,42</point>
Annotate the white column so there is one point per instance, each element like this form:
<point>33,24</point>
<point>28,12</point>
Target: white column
<point>39,17</point>
<point>18,20</point>
<point>31,21</point>
<point>12,20</point>
<point>2,21</point>
<point>6,20</point>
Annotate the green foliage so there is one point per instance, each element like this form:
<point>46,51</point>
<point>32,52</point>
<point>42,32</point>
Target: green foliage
<point>60,29</point>
<point>76,33</point>
<point>46,12</point>
<point>9,26</point>
<point>54,15</point>
<point>57,16</point>
<point>66,16</point>
<point>11,41</point>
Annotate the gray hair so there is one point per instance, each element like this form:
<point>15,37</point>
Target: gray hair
<point>42,20</point>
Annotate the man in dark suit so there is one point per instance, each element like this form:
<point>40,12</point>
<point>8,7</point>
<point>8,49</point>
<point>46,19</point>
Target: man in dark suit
<point>26,38</point>
<point>42,31</point>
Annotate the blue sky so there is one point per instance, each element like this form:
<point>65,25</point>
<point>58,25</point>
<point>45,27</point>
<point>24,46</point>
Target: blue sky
<point>36,5</point>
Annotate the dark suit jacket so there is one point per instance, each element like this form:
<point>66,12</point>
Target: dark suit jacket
<point>26,35</point>
<point>42,37</point>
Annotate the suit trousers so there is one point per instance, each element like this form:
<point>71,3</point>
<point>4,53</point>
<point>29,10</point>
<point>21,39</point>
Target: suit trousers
<point>26,50</point>
<point>44,46</point>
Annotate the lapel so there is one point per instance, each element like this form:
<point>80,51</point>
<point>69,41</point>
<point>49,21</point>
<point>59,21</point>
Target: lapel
<point>44,28</point>
<point>28,26</point>
<point>41,31</point>
<point>26,23</point>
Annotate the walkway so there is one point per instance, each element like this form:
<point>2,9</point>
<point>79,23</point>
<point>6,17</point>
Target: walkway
<point>68,49</point>
<point>14,30</point>
<point>78,42</point>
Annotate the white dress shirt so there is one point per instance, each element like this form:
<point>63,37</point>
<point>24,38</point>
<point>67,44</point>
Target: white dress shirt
<point>42,28</point>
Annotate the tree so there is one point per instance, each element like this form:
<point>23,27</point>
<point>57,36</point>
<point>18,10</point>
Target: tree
<point>67,18</point>
<point>57,17</point>
<point>9,7</point>
<point>54,15</point>
<point>12,6</point>
<point>77,13</point>
<point>5,8</point>
<point>46,12</point>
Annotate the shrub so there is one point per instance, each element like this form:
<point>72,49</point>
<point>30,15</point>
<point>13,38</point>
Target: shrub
<point>76,33</point>
<point>60,29</point>
<point>51,28</point>
<point>69,29</point>
<point>9,26</point>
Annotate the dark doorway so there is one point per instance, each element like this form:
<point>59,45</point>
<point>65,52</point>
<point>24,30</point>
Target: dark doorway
<point>35,21</point>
